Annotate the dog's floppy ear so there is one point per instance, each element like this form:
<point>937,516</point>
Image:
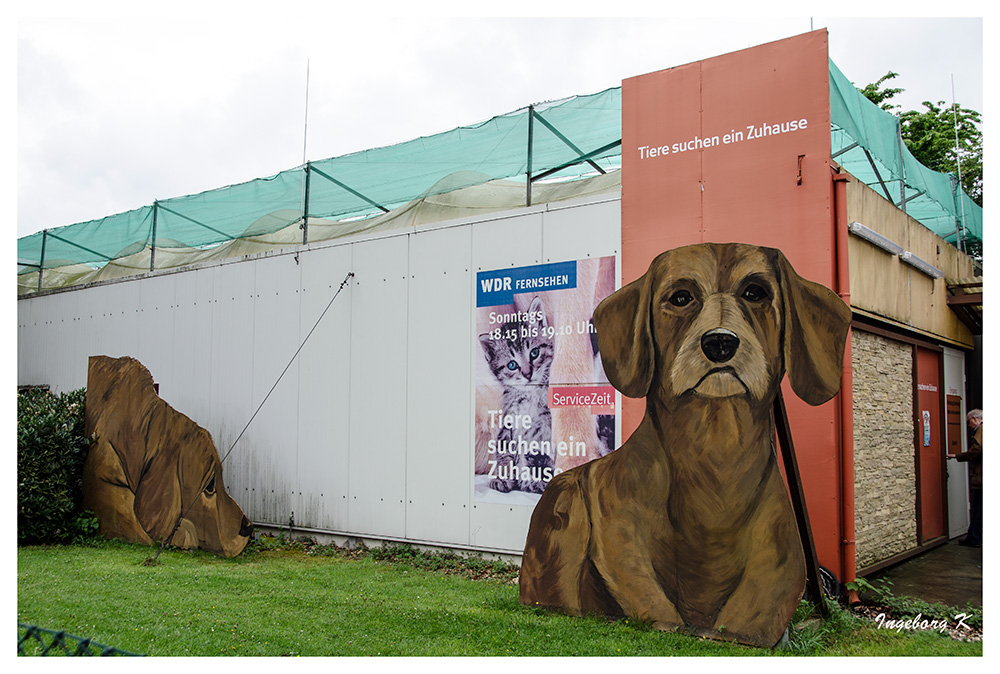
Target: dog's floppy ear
<point>625,338</point>
<point>815,325</point>
<point>158,498</point>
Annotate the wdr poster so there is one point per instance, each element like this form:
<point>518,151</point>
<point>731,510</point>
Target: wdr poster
<point>543,404</point>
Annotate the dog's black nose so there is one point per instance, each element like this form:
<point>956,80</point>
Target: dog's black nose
<point>720,344</point>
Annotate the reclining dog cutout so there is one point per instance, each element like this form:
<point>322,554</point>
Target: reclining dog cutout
<point>689,524</point>
<point>151,468</point>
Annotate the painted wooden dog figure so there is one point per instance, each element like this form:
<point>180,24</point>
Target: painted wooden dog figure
<point>689,524</point>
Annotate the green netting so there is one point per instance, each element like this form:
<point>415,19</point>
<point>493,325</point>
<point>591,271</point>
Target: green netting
<point>378,180</point>
<point>93,243</point>
<point>866,142</point>
<point>248,209</point>
<point>569,139</point>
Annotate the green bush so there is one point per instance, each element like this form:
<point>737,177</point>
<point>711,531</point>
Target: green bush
<point>51,450</point>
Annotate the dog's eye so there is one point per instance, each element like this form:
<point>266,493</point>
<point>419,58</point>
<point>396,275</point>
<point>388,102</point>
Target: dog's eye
<point>534,353</point>
<point>681,298</point>
<point>512,365</point>
<point>210,487</point>
<point>754,293</point>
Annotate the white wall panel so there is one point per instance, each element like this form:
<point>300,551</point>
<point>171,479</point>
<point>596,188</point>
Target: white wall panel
<point>579,233</point>
<point>231,378</point>
<point>117,318</point>
<point>32,345</point>
<point>377,463</point>
<point>157,316</point>
<point>104,330</point>
<point>499,527</point>
<point>59,354</point>
<point>88,331</point>
<point>325,390</point>
<point>191,331</point>
<point>26,330</point>
<point>273,435</point>
<point>41,339</point>
<point>508,242</point>
<point>439,424</point>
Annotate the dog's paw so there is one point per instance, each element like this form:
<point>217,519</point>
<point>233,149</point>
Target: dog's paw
<point>501,485</point>
<point>532,487</point>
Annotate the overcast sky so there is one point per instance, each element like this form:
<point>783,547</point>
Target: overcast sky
<point>114,112</point>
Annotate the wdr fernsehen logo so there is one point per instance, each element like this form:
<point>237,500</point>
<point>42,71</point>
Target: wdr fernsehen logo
<point>499,286</point>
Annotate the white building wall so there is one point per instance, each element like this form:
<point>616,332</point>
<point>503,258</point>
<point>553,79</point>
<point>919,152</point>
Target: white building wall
<point>370,431</point>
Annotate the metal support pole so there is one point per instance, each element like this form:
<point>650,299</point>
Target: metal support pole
<point>224,235</point>
<point>349,189</point>
<point>152,238</point>
<point>41,259</point>
<point>843,150</point>
<point>581,158</point>
<point>798,498</point>
<point>960,241</point>
<point>871,161</point>
<point>531,131</point>
<point>902,168</point>
<point>956,191</point>
<point>305,166</point>
<point>305,206</point>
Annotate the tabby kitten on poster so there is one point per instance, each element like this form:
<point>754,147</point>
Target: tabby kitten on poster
<point>521,364</point>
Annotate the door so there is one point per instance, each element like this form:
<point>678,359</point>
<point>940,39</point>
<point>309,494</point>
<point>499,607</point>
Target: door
<point>930,448</point>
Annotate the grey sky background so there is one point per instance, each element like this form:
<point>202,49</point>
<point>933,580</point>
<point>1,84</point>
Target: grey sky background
<point>115,110</point>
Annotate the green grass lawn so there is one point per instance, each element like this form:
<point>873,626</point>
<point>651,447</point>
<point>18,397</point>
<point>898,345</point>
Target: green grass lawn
<point>284,601</point>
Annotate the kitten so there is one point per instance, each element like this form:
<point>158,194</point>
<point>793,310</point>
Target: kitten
<point>521,361</point>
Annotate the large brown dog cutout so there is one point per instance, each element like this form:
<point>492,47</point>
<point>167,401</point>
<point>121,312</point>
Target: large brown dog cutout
<point>151,467</point>
<point>689,525</point>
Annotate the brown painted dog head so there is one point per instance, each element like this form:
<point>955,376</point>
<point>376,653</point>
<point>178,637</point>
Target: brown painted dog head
<point>152,468</point>
<point>722,320</point>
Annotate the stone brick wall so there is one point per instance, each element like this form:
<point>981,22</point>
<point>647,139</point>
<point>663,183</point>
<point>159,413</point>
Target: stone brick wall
<point>885,487</point>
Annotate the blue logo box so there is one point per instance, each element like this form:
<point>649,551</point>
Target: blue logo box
<point>499,286</point>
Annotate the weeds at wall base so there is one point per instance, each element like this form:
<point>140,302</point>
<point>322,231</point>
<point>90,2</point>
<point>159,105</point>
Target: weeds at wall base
<point>472,566</point>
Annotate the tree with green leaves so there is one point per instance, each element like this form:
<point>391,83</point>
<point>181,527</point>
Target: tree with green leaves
<point>930,135</point>
<point>879,96</point>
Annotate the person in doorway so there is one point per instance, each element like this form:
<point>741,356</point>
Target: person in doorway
<point>974,457</point>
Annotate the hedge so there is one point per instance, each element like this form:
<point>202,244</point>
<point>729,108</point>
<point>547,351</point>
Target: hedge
<point>51,450</point>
